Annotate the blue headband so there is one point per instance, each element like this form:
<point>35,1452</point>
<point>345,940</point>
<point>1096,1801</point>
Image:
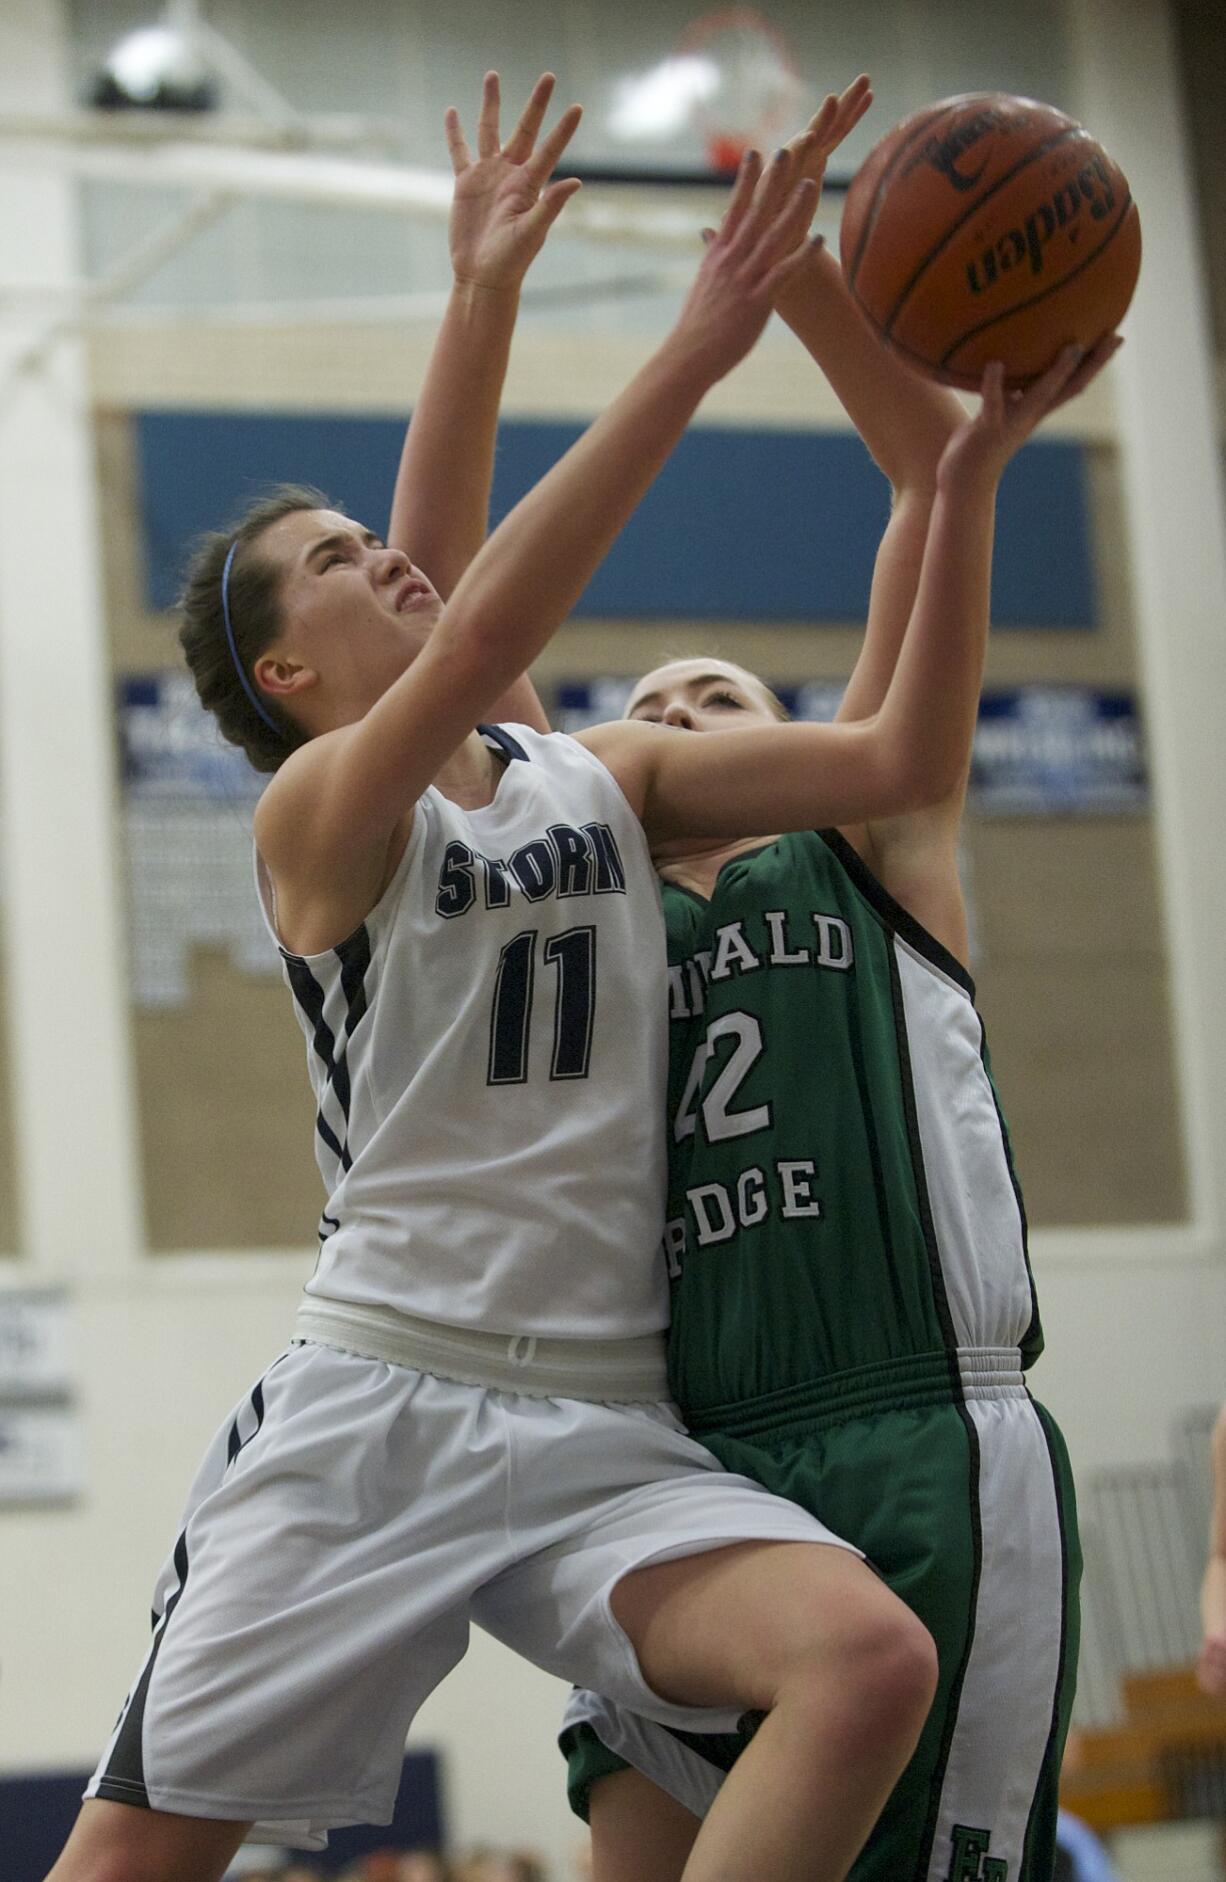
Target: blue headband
<point>248,688</point>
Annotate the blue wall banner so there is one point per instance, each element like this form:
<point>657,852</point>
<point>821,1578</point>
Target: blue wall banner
<point>171,748</point>
<point>741,525</point>
<point>1040,751</point>
<point>1043,750</point>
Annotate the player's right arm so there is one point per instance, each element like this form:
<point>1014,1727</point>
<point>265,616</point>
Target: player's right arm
<point>1211,1664</point>
<point>329,815</point>
<point>502,211</point>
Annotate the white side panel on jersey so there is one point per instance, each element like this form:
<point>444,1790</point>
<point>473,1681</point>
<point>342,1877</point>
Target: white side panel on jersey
<point>974,1207</point>
<point>1008,1694</point>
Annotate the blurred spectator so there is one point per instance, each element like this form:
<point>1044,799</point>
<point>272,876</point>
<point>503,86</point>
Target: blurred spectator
<point>380,1865</point>
<point>1080,1857</point>
<point>489,1865</point>
<point>399,1865</point>
<point>423,1865</point>
<point>255,1862</point>
<point>1211,1665</point>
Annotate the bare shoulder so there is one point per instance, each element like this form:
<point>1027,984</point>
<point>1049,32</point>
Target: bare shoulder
<point>616,736</point>
<point>288,801</point>
<point>327,871</point>
<point>627,748</point>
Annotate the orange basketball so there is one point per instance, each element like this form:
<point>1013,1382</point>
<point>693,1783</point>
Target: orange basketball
<point>989,227</point>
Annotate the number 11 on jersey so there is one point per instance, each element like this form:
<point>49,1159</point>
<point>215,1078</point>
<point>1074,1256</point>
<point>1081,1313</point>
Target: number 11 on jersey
<point>572,956</point>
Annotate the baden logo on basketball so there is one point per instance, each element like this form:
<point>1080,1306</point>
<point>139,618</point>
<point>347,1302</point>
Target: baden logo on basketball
<point>1091,188</point>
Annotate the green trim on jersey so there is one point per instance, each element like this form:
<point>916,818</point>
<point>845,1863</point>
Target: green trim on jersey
<point>831,1109</point>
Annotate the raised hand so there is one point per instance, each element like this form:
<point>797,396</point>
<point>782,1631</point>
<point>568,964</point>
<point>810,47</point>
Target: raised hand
<point>838,113</point>
<point>504,204</point>
<point>759,245</point>
<point>983,444</point>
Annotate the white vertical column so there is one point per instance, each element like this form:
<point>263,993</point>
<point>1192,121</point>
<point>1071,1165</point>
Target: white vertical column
<point>1130,96</point>
<point>68,1032</point>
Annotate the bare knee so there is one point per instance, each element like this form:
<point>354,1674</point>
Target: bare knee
<point>898,1670</point>
<point>882,1660</point>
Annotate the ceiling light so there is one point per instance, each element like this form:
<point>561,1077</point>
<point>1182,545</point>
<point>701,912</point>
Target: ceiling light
<point>156,68</point>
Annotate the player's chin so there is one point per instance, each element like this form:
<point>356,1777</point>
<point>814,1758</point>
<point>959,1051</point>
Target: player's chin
<point>419,625</point>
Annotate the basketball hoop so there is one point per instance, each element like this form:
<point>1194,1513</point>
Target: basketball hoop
<point>724,150</point>
<point>756,101</point>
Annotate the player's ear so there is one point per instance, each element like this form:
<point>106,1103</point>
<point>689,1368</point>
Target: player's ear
<point>282,676</point>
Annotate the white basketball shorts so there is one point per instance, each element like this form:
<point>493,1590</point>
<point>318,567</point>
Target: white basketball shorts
<point>345,1526</point>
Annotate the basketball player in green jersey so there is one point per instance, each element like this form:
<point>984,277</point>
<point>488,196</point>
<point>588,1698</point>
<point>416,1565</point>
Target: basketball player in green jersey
<point>852,1304</point>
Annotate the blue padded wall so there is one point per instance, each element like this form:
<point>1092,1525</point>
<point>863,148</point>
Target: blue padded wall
<point>742,524</point>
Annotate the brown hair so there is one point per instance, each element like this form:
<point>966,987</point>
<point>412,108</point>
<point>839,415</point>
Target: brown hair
<point>255,618</point>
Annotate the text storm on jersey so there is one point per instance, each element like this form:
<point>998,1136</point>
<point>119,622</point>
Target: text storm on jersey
<point>564,862</point>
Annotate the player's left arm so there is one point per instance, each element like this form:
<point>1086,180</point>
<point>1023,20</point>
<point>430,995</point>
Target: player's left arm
<point>904,420</point>
<point>503,208</point>
<point>915,856</point>
<point>1211,1664</point>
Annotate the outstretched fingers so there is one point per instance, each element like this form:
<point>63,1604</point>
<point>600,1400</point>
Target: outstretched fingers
<point>776,182</point>
<point>992,392</point>
<point>850,106</point>
<point>1010,416</point>
<point>539,166</point>
<point>488,139</point>
<point>551,203</point>
<point>1018,413</point>
<point>835,117</point>
<point>1091,365</point>
<point>457,144</point>
<point>522,141</point>
<point>749,171</point>
<point>782,245</point>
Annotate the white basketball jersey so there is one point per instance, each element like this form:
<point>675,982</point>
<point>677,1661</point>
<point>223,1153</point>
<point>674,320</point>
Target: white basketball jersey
<point>488,1056</point>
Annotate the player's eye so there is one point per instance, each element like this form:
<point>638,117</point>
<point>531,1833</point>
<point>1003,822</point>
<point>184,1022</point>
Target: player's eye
<point>725,699</point>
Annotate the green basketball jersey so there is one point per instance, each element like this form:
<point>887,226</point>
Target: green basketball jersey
<point>842,1193</point>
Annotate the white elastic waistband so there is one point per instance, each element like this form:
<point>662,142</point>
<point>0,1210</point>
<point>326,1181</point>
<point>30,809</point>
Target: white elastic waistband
<point>991,1372</point>
<point>616,1371</point>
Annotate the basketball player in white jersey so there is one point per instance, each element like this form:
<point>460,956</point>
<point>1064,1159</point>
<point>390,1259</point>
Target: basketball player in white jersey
<point>470,1423</point>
